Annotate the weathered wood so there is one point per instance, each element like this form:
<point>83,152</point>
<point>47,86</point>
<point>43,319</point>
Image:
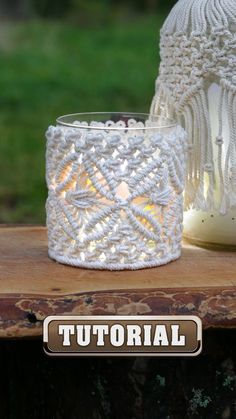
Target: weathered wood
<point>202,282</point>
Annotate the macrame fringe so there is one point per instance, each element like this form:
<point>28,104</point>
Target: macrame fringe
<point>197,40</point>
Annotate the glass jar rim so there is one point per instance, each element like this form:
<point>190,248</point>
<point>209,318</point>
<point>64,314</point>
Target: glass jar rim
<point>166,122</point>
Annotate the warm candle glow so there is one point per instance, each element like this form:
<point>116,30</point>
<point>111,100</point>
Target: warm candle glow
<point>115,198</point>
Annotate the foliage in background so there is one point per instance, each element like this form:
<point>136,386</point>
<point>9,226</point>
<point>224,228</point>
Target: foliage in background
<point>53,68</point>
<point>79,9</point>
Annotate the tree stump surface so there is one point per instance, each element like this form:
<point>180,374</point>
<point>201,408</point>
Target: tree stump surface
<point>32,286</point>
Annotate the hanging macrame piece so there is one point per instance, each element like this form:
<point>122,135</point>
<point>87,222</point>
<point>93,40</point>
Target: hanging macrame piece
<point>197,84</point>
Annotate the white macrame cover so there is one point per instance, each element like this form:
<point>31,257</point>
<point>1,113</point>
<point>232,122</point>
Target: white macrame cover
<point>115,198</point>
<point>198,47</point>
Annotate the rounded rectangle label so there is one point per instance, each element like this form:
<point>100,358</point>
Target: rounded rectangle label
<point>122,335</point>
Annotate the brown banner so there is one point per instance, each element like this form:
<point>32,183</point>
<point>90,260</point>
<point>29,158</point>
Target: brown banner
<point>123,335</point>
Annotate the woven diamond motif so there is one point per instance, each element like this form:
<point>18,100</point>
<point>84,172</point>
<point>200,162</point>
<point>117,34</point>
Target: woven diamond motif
<point>115,198</point>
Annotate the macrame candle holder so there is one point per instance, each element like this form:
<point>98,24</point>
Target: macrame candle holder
<point>115,185</point>
<point>197,86</point>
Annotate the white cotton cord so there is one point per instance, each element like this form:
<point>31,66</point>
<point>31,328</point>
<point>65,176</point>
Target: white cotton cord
<point>115,200</point>
<point>185,17</point>
<point>220,141</point>
<point>201,127</point>
<point>113,266</point>
<point>170,24</point>
<point>209,164</point>
<point>203,18</point>
<point>233,168</point>
<point>198,44</point>
<point>211,14</point>
<point>198,17</point>
<point>221,13</point>
<point>233,156</point>
<point>156,104</point>
<point>229,7</point>
<point>226,197</point>
<point>189,187</point>
<point>180,21</point>
<point>196,151</point>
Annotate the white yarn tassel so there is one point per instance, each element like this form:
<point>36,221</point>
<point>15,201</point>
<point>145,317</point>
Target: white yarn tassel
<point>198,48</point>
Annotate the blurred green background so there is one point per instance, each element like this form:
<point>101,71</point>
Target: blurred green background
<point>59,57</point>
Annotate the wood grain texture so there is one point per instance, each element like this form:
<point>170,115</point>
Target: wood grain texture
<point>202,282</point>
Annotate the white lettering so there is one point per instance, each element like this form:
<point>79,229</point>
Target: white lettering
<point>133,335</point>
<point>160,337</point>
<point>83,334</point>
<point>117,335</point>
<point>147,335</point>
<point>100,331</point>
<point>177,340</point>
<point>66,330</point>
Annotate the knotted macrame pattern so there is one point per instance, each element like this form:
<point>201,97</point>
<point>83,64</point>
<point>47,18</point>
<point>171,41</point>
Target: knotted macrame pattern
<point>198,47</point>
<point>115,198</point>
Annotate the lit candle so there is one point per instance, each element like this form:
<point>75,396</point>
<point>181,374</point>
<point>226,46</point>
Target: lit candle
<point>115,191</point>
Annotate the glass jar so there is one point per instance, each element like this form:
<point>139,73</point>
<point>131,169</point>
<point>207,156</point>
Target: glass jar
<point>115,190</point>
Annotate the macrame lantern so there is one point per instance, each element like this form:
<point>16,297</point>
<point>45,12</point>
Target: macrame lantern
<point>115,190</point>
<point>197,84</point>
